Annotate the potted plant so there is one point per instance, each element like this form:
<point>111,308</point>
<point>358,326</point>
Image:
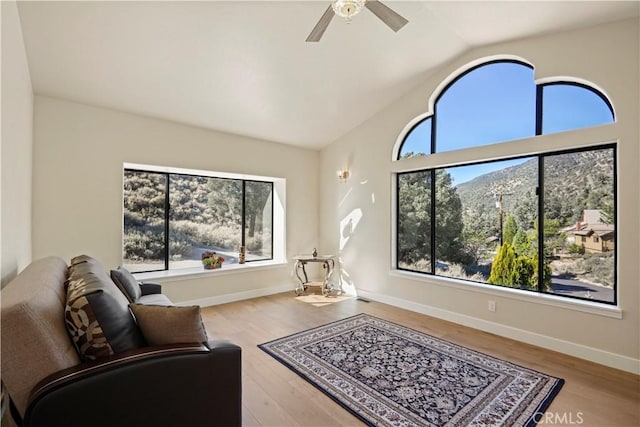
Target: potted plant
<point>211,260</point>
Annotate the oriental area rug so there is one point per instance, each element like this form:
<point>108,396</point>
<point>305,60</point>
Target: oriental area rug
<point>390,375</point>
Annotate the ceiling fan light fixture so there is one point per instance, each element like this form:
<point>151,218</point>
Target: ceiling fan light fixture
<point>347,9</point>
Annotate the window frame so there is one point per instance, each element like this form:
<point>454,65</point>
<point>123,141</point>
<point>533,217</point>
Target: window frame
<point>539,119</point>
<point>540,101</point>
<point>540,217</point>
<point>410,165</point>
<point>217,175</point>
<point>434,116</point>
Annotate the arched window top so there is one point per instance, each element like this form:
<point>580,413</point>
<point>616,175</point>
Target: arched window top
<point>569,105</point>
<point>493,102</point>
<point>499,101</point>
<point>414,143</point>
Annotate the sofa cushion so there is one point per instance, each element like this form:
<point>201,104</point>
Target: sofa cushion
<point>169,324</point>
<point>154,299</point>
<point>97,314</point>
<point>127,283</point>
<point>35,342</point>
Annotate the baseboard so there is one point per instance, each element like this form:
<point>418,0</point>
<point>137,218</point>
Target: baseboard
<point>591,354</point>
<point>237,296</point>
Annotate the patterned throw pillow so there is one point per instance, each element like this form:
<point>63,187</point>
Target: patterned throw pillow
<point>85,329</point>
<point>97,313</point>
<point>169,324</point>
<point>83,259</point>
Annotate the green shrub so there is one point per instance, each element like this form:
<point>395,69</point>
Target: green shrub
<point>523,273</point>
<point>143,243</point>
<point>575,249</point>
<point>503,266</point>
<point>509,269</point>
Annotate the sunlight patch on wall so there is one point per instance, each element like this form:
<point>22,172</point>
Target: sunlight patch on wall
<point>348,225</point>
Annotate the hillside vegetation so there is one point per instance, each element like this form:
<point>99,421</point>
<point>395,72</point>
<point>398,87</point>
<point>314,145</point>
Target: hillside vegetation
<point>573,182</point>
<point>203,212</point>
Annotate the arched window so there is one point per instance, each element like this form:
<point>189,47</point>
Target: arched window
<point>418,140</point>
<point>497,101</point>
<point>474,108</point>
<point>479,220</point>
<point>569,106</point>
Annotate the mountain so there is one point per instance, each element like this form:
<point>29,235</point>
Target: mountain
<point>572,182</point>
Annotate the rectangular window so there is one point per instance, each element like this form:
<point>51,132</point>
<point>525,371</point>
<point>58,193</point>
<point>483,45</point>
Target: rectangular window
<point>487,219</point>
<point>584,198</point>
<point>170,219</point>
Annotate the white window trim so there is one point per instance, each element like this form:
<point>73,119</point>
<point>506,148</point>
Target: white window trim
<point>600,309</point>
<point>199,172</point>
<point>177,275</point>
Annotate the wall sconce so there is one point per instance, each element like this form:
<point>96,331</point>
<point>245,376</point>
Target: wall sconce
<point>343,175</point>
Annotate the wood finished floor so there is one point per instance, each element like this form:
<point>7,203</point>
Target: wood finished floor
<point>593,395</point>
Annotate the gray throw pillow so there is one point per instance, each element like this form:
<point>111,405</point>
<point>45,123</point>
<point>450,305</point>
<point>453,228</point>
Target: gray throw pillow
<point>162,325</point>
<point>127,283</point>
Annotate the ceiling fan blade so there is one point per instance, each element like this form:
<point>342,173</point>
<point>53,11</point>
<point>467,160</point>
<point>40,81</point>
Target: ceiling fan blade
<point>321,26</point>
<point>386,15</point>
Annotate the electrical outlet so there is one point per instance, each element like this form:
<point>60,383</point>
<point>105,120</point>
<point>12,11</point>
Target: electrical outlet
<point>492,306</point>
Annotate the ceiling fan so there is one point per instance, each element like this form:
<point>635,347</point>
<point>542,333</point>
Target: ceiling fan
<point>347,9</point>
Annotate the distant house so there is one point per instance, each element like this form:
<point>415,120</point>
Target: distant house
<point>591,233</point>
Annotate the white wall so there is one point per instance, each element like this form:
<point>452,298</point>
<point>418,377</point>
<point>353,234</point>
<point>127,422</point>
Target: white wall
<point>79,153</point>
<point>606,56</point>
<point>17,124</point>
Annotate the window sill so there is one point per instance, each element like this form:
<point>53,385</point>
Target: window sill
<point>596,308</point>
<point>199,272</point>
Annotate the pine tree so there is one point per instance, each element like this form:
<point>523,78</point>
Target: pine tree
<point>523,272</point>
<point>521,243</point>
<point>225,201</point>
<point>256,197</point>
<point>526,210</point>
<point>414,217</point>
<point>503,266</point>
<point>449,225</point>
<point>510,229</point>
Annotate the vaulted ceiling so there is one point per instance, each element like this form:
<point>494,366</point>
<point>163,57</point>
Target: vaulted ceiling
<point>244,66</point>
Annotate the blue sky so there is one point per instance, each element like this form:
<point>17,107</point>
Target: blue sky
<point>496,103</point>
<point>462,174</point>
